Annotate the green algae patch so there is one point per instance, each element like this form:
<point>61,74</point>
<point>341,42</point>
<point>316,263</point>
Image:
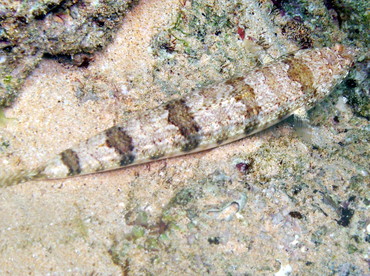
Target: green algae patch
<point>3,119</point>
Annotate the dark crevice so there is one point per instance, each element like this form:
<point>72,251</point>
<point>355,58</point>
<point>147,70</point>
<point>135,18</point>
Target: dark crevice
<point>50,8</point>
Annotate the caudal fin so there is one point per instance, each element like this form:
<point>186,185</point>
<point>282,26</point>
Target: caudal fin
<point>13,178</point>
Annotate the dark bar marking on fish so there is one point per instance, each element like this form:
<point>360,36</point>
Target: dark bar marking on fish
<point>71,161</point>
<point>180,116</point>
<point>118,139</point>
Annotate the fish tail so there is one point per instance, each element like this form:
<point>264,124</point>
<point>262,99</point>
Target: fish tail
<point>17,177</point>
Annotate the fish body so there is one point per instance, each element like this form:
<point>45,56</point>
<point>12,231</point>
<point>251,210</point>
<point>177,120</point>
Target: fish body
<point>210,117</point>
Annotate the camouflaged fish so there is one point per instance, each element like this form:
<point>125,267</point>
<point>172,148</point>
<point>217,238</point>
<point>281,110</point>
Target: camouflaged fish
<point>213,116</point>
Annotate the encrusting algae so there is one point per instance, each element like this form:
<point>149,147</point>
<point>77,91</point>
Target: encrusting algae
<point>208,118</point>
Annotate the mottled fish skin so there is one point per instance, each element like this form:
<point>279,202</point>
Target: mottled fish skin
<point>210,117</point>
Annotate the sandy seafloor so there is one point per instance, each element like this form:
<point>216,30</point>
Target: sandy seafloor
<point>278,202</point>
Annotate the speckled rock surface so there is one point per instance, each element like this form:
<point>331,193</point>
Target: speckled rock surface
<point>290,200</point>
<point>69,30</point>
